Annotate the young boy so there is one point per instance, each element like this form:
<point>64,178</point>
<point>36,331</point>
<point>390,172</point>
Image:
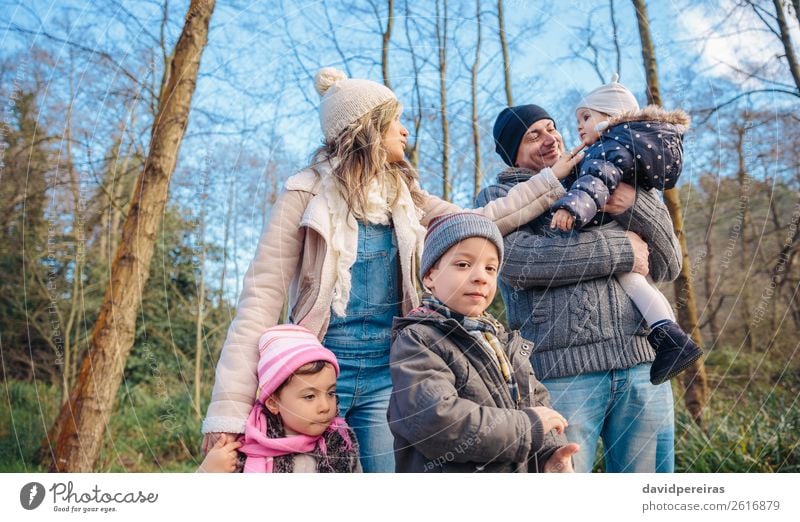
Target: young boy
<point>464,395</point>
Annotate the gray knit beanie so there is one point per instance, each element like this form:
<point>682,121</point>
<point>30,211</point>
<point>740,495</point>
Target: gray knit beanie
<point>445,231</point>
<point>345,100</point>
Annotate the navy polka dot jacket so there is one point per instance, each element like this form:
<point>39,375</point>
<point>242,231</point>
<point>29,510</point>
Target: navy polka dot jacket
<point>643,149</point>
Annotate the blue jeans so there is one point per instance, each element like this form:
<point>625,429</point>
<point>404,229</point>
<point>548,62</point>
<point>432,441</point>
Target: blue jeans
<point>363,387</point>
<point>634,418</point>
<point>361,341</point>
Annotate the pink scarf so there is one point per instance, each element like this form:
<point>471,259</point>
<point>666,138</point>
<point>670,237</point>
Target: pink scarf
<point>260,450</point>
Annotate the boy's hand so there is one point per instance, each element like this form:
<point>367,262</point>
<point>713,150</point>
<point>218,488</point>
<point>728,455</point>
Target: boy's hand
<point>210,440</point>
<point>562,220</point>
<point>551,419</point>
<point>221,458</point>
<point>567,162</point>
<point>561,460</point>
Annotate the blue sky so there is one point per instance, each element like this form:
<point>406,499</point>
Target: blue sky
<point>255,100</point>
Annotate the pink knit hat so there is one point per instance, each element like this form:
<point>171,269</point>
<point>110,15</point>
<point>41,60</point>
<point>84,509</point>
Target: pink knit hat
<point>283,349</point>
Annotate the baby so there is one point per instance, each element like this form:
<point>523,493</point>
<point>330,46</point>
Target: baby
<point>644,148</point>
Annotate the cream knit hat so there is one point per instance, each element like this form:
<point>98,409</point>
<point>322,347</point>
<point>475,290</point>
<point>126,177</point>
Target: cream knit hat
<point>612,99</point>
<point>345,100</point>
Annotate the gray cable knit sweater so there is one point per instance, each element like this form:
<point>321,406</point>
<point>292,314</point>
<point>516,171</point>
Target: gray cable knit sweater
<point>559,290</point>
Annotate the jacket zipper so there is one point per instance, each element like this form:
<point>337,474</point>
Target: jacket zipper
<point>497,376</point>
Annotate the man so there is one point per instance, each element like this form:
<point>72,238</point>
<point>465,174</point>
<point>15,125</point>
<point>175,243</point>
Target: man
<point>591,350</point>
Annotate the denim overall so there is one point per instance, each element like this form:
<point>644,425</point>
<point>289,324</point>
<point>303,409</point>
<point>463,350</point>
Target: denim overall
<point>361,341</point>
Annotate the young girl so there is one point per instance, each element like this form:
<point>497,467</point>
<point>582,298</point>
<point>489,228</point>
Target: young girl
<point>642,148</point>
<point>293,427</point>
<point>343,242</point>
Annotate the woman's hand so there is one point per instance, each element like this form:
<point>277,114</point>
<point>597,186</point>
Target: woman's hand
<point>221,458</point>
<point>567,162</point>
<point>210,440</point>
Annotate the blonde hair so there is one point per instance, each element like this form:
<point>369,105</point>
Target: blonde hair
<point>361,156</point>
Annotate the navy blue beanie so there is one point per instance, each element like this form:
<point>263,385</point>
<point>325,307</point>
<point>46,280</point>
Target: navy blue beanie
<point>510,127</point>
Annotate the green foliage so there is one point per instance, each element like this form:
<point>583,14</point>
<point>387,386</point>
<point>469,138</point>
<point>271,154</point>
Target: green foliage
<point>756,432</point>
<point>26,412</point>
<point>753,433</point>
<point>498,309</point>
<point>27,236</point>
<point>153,428</point>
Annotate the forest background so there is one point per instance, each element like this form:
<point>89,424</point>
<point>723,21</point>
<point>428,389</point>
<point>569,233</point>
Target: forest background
<point>83,86</point>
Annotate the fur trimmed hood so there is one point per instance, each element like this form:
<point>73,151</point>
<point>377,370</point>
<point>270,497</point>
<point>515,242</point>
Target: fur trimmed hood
<point>679,118</point>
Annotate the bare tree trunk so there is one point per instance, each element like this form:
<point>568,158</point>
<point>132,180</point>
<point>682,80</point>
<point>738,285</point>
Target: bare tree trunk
<point>387,36</point>
<point>413,147</point>
<point>92,399</point>
<point>201,299</point>
<point>501,29</point>
<point>648,53</point>
<point>786,40</point>
<point>166,57</point>
<point>441,40</point>
<point>695,380</point>
<point>710,268</point>
<point>796,5</point>
<point>779,274</point>
<point>227,233</point>
<point>615,37</point>
<point>78,234</point>
<point>476,136</point>
<point>235,243</point>
<point>115,191</point>
<point>744,205</point>
<point>713,327</point>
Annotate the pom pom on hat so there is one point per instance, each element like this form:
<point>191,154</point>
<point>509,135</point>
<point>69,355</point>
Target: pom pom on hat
<point>345,100</point>
<point>326,78</point>
<point>612,99</point>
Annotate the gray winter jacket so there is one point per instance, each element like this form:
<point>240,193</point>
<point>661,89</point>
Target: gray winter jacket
<point>560,292</point>
<point>643,149</point>
<point>450,409</point>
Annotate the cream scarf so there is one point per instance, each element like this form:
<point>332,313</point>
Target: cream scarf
<point>344,230</point>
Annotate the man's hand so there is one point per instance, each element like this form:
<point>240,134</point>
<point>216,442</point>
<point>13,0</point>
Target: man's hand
<point>562,220</point>
<point>551,419</point>
<point>210,440</point>
<point>561,460</point>
<point>622,199</point>
<point>564,165</point>
<point>641,254</point>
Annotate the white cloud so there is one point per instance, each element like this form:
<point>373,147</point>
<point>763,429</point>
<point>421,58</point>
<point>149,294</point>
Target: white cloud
<point>736,40</point>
